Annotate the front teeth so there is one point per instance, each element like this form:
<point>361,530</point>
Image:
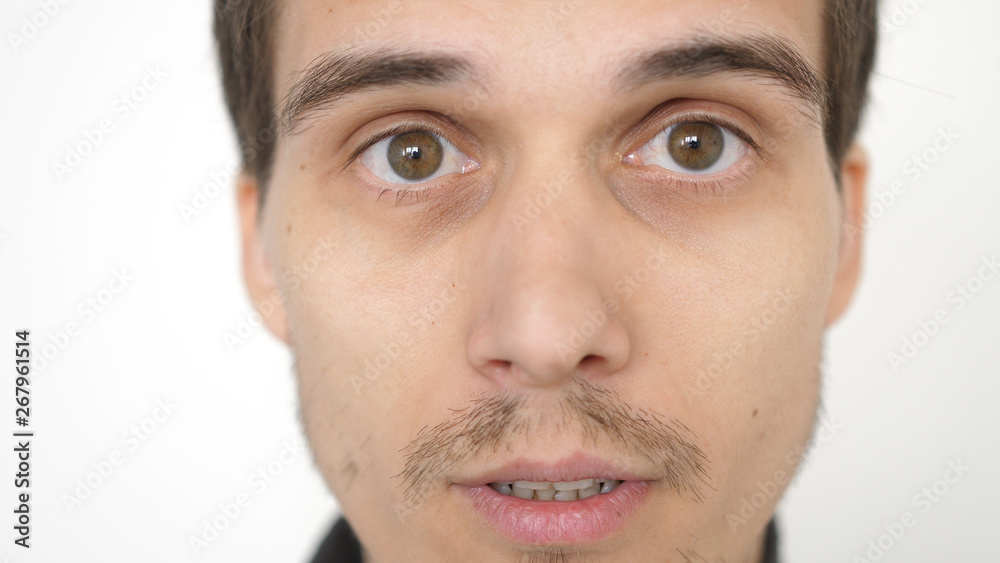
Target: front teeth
<point>564,491</point>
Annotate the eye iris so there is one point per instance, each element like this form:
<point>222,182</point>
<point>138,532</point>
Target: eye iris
<point>415,155</point>
<point>695,145</point>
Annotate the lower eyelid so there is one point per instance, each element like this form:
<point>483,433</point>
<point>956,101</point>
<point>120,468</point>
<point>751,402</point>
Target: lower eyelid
<point>381,191</point>
<point>665,183</point>
<point>724,181</point>
<point>398,194</point>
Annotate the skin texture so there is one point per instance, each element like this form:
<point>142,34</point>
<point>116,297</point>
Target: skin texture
<point>467,293</point>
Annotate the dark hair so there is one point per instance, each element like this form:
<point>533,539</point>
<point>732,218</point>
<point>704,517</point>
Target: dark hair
<point>244,35</point>
<point>851,34</point>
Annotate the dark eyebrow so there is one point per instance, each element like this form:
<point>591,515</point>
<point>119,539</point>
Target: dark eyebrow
<point>333,76</point>
<point>767,56</point>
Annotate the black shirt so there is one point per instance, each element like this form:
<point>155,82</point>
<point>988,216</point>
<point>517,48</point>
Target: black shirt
<point>341,545</point>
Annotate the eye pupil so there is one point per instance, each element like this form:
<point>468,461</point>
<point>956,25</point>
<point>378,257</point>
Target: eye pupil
<point>695,145</point>
<point>415,155</point>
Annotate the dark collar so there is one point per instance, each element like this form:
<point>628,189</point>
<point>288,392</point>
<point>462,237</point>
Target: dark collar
<point>341,545</point>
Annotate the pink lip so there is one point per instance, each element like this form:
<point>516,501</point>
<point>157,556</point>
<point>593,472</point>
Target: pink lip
<point>557,522</point>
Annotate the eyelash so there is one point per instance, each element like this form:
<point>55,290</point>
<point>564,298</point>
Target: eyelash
<point>385,134</point>
<point>710,186</point>
<point>404,127</point>
<point>718,122</point>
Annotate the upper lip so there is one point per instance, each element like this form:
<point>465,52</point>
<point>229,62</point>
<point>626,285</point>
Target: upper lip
<point>573,468</point>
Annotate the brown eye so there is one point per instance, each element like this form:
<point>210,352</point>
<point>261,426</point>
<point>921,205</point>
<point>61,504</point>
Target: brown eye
<point>693,148</point>
<point>415,155</point>
<point>695,145</point>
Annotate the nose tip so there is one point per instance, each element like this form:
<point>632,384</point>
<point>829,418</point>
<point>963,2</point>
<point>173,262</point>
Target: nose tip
<point>546,347</point>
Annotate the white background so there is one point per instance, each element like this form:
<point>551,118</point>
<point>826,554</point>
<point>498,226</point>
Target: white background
<point>161,337</point>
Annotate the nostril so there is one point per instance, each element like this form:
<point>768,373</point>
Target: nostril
<point>540,347</point>
<point>592,361</point>
<point>498,364</point>
<point>497,368</point>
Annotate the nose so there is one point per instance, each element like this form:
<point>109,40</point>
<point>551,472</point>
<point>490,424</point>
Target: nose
<point>545,305</point>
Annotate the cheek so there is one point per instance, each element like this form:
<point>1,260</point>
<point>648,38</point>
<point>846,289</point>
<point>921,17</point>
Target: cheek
<point>363,334</point>
<point>349,352</point>
<point>740,337</point>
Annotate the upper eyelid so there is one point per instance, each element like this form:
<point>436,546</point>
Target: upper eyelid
<point>403,127</point>
<point>726,124</point>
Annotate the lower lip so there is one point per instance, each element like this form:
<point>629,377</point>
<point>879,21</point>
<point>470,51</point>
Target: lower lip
<point>555,522</point>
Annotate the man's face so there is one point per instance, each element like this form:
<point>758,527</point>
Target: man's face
<point>553,242</point>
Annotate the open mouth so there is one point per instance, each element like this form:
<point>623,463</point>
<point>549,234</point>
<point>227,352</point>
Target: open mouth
<point>560,491</point>
<point>576,501</point>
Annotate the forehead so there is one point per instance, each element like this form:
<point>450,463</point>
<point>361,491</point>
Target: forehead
<point>532,44</point>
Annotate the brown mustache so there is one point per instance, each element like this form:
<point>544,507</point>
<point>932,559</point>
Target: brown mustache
<point>492,422</point>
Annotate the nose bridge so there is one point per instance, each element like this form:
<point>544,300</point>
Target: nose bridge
<point>546,227</point>
<point>551,194</point>
<point>546,278</point>
<point>542,219</point>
